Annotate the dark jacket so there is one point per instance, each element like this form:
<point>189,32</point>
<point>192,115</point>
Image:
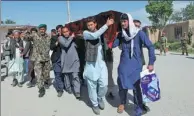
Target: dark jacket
<point>27,49</point>
<point>15,44</point>
<point>55,48</point>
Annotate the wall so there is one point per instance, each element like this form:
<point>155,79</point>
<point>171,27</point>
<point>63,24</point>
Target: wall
<point>153,36</point>
<point>191,25</point>
<point>169,29</point>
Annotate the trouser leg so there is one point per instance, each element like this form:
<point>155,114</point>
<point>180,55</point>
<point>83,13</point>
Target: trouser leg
<point>75,82</point>
<point>122,93</point>
<point>92,91</point>
<point>102,86</point>
<point>46,72</point>
<point>20,73</point>
<point>111,84</point>
<point>138,100</point>
<point>67,81</point>
<point>26,63</point>
<point>58,83</point>
<point>39,71</point>
<point>31,73</point>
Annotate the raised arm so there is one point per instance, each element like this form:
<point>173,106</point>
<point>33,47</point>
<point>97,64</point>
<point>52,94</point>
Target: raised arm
<point>116,42</point>
<point>94,35</point>
<point>151,50</point>
<point>65,43</point>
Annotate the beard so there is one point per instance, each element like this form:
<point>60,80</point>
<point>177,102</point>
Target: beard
<point>42,33</point>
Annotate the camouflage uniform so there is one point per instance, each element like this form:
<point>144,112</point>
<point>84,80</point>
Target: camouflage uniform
<point>163,42</point>
<point>184,42</point>
<point>190,34</point>
<point>41,48</point>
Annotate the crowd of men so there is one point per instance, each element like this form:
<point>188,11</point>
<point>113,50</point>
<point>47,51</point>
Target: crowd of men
<point>27,53</point>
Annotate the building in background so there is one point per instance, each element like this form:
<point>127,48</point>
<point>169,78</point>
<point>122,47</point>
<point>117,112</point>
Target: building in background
<point>173,31</point>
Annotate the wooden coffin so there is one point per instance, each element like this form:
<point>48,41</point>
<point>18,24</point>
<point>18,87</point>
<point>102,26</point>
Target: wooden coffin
<point>101,18</point>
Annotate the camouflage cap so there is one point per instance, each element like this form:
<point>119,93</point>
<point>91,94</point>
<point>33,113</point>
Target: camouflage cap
<point>42,26</point>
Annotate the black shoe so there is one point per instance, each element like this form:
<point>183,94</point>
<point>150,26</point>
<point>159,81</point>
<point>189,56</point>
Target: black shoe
<point>30,84</point>
<point>41,92</point>
<point>78,96</point>
<point>187,54</point>
<point>111,96</point>
<point>60,93</point>
<point>46,86</point>
<point>145,109</point>
<point>20,85</point>
<point>182,53</point>
<point>15,82</point>
<point>69,91</point>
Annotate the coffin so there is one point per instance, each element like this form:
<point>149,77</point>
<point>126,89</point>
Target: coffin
<point>80,25</point>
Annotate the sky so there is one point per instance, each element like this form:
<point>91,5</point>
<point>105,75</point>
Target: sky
<point>53,13</point>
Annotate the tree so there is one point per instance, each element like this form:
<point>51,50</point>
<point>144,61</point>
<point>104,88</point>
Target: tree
<point>177,16</point>
<point>159,11</point>
<point>188,12</point>
<point>8,21</point>
<point>184,14</point>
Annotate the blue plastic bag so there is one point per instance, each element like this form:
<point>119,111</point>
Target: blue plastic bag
<point>150,86</point>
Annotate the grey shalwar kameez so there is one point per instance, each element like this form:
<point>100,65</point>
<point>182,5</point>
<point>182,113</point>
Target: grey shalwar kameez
<point>70,64</point>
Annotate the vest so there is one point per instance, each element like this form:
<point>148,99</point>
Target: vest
<point>92,49</point>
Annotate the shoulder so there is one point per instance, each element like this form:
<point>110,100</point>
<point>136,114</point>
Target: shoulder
<point>141,32</point>
<point>86,32</point>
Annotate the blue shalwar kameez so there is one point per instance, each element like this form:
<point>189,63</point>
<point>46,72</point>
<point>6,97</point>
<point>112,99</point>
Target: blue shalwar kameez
<point>130,66</point>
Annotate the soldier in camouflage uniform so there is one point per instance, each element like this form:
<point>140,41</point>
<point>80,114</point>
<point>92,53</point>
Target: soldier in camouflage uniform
<point>190,34</point>
<point>184,42</point>
<point>163,43</point>
<point>41,48</point>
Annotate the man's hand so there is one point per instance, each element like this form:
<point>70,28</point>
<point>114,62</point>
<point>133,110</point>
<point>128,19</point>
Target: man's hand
<point>72,35</point>
<point>109,22</point>
<point>56,43</point>
<point>150,68</point>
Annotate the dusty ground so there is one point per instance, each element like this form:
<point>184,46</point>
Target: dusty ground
<point>176,82</point>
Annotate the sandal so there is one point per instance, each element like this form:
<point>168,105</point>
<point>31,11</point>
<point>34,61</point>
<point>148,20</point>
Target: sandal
<point>120,109</point>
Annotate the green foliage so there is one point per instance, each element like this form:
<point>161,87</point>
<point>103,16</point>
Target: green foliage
<point>174,46</point>
<point>172,40</point>
<point>157,45</point>
<point>159,11</point>
<point>185,13</point>
<point>177,16</point>
<point>188,12</point>
<point>8,21</point>
<point>192,45</point>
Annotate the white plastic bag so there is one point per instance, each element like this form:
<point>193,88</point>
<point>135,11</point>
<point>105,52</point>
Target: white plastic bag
<point>150,86</point>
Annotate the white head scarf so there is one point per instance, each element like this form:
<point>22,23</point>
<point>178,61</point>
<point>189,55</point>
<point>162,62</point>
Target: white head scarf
<point>133,32</point>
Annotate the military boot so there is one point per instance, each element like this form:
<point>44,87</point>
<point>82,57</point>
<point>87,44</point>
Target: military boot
<point>182,53</point>
<point>41,92</point>
<point>187,54</point>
